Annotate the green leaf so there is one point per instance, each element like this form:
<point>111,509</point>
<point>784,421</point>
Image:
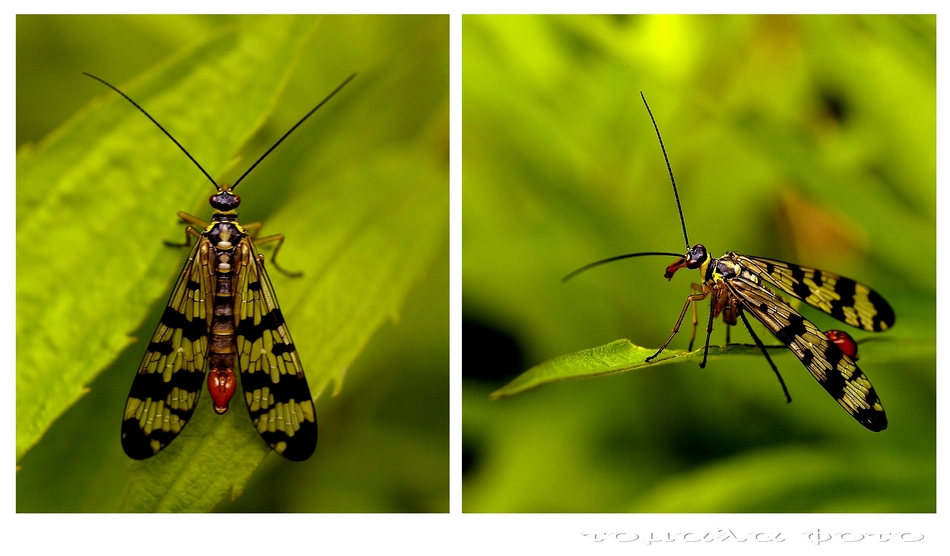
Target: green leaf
<point>618,356</point>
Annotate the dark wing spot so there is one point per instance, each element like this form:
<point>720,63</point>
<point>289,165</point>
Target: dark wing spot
<point>161,348</point>
<point>834,381</point>
<point>807,356</point>
<point>250,331</point>
<point>794,328</point>
<point>845,287</point>
<point>300,446</point>
<point>153,385</point>
<point>193,330</point>
<point>136,444</point>
<point>837,309</point>
<point>884,318</point>
<point>289,387</point>
<point>833,355</point>
<point>799,288</point>
<point>253,332</point>
<point>874,420</point>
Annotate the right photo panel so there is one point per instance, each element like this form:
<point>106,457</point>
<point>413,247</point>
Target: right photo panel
<point>699,269</point>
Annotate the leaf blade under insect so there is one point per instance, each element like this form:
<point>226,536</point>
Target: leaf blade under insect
<point>618,356</point>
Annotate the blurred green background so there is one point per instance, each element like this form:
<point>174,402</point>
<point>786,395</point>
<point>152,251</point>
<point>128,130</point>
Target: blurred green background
<point>807,139</point>
<point>384,438</point>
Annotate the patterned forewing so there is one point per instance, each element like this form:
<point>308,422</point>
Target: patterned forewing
<point>834,370</point>
<point>843,298</point>
<point>166,389</point>
<point>275,389</point>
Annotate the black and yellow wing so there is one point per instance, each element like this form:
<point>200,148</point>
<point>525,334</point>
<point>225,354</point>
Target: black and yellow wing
<point>836,372</point>
<point>849,301</point>
<point>166,389</point>
<point>275,388</point>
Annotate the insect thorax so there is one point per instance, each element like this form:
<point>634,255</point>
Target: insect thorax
<point>224,234</point>
<point>729,267</point>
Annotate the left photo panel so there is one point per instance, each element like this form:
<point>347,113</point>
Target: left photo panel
<point>232,263</point>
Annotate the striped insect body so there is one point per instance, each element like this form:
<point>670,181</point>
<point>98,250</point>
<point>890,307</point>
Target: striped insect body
<point>737,284</point>
<point>222,320</point>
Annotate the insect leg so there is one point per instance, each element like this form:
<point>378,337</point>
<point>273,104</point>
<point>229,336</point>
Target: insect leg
<point>188,231</point>
<point>201,224</point>
<point>709,327</point>
<point>256,227</point>
<point>279,238</point>
<point>192,219</point>
<point>694,288</point>
<point>758,342</point>
<point>692,298</point>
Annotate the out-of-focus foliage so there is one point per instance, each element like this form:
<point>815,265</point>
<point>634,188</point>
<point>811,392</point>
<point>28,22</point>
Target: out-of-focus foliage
<point>808,139</point>
<point>360,191</point>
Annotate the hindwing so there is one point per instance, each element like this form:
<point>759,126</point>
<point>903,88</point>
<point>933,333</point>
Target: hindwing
<point>165,391</point>
<point>275,388</point>
<point>835,371</point>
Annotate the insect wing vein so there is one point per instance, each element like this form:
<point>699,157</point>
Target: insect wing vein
<point>166,388</point>
<point>834,370</point>
<point>843,298</point>
<point>275,388</point>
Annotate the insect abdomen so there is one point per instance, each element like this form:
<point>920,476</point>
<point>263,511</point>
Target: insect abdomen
<point>222,352</point>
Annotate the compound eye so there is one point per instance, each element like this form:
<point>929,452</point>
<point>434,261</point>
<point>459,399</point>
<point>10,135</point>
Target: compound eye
<point>697,256</point>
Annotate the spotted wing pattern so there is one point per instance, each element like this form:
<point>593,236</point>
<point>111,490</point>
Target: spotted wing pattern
<point>165,391</point>
<point>843,298</point>
<point>834,370</point>
<point>275,388</point>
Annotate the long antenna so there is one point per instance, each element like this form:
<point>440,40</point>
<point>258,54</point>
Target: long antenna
<point>617,258</point>
<point>668,168</point>
<point>104,82</point>
<point>678,206</point>
<point>279,141</point>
